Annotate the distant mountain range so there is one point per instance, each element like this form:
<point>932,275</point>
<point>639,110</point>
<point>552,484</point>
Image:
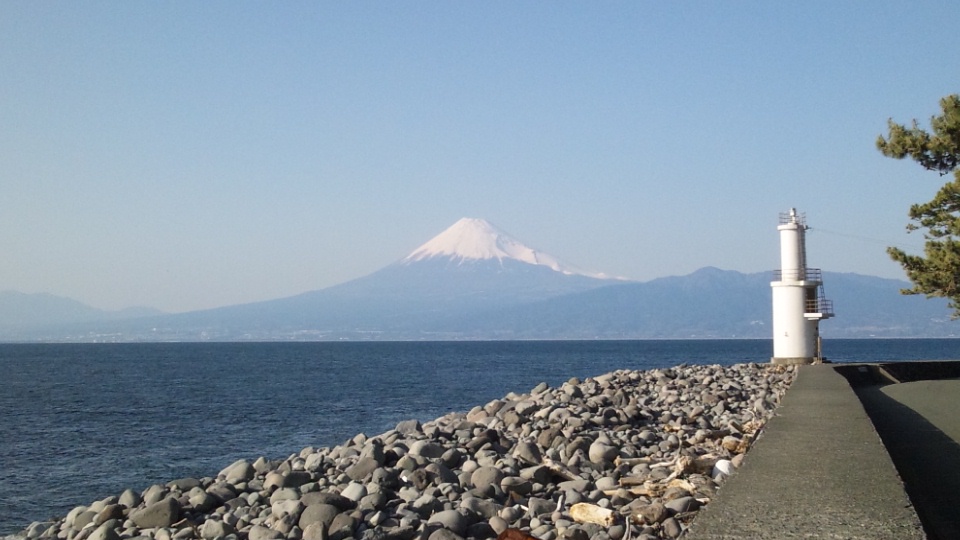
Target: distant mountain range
<point>473,281</point>
<point>26,314</point>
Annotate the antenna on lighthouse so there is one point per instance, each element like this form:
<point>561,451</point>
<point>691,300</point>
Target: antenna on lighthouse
<point>799,303</point>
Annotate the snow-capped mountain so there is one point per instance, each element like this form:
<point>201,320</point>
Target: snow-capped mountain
<point>471,267</point>
<point>473,239</point>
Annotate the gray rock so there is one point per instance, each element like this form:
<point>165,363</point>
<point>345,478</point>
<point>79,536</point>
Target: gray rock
<point>314,462</point>
<point>154,494</point>
<point>528,452</point>
<point>607,483</point>
<point>184,484</point>
<point>285,524</point>
<point>259,532</point>
<point>403,532</point>
<point>104,532</point>
<point>581,485</point>
<point>541,530</point>
<point>297,479</point>
<point>315,531</point>
<point>548,436</point>
<point>484,508</point>
<point>373,501</point>
<point>238,471</point>
<point>420,479</point>
<point>510,514</point>
<point>538,474</point>
<point>485,477</point>
<point>602,453</point>
<point>212,529</point>
<point>203,502</point>
<point>158,514</point>
<point>443,534</point>
<point>110,511</point>
<point>363,468</point>
<point>72,515</point>
<point>84,518</point>
<point>575,533</point>
<point>451,519</point>
<point>221,492</point>
<point>498,524</point>
<point>327,497</point>
<point>262,465</point>
<point>273,480</point>
<point>671,528</point>
<point>354,491</point>
<point>285,494</point>
<point>129,498</point>
<point>427,449</point>
<point>373,450</point>
<point>683,504</point>
<point>525,408</point>
<point>516,485</point>
<point>442,473</point>
<point>426,505</point>
<point>409,427</point>
<point>36,529</point>
<point>291,507</point>
<point>538,506</point>
<point>321,513</point>
<point>452,457</point>
<point>342,527</point>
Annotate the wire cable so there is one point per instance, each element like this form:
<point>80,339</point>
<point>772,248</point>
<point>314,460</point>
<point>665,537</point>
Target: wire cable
<point>868,239</point>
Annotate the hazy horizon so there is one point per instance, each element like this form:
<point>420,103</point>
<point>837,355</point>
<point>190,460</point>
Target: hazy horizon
<point>201,155</point>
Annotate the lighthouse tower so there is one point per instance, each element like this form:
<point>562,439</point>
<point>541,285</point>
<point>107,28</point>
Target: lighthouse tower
<point>798,300</point>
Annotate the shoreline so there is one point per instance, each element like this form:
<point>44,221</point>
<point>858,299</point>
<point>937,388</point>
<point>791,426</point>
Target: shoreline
<point>642,449</point>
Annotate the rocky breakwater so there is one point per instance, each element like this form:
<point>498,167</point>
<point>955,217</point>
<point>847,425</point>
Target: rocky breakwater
<point>629,454</point>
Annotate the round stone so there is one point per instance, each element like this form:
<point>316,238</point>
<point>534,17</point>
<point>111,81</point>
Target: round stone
<point>498,524</point>
<point>485,477</point>
<point>354,491</point>
<point>160,514</point>
<point>321,513</point>
<point>450,519</point>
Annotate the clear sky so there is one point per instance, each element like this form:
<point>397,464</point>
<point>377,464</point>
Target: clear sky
<point>186,155</point>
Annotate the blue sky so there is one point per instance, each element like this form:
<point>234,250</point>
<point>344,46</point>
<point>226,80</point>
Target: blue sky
<point>188,155</point>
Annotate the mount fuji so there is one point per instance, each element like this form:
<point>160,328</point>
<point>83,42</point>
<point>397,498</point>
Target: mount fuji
<point>472,267</point>
<point>471,240</point>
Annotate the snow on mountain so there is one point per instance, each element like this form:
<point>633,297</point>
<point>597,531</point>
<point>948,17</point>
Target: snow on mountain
<point>473,239</point>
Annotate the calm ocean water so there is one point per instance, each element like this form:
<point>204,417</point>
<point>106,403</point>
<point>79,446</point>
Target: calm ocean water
<point>79,422</point>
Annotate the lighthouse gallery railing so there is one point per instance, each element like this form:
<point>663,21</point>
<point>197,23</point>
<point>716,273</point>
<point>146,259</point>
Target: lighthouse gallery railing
<point>820,304</point>
<point>803,274</point>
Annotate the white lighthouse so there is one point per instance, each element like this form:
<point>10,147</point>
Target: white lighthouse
<point>798,300</point>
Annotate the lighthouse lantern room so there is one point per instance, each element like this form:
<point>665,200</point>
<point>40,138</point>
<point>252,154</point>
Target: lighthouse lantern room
<point>798,299</point>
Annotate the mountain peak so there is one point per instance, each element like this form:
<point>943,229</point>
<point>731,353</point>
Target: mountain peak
<point>474,239</point>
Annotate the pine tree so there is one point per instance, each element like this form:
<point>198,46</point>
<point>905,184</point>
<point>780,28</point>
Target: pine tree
<point>937,272</point>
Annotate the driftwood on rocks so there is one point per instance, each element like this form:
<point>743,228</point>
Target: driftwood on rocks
<point>591,513</point>
<point>559,470</point>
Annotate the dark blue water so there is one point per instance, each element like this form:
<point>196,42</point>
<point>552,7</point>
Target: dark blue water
<point>79,422</point>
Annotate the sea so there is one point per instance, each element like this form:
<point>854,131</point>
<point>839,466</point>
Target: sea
<point>81,422</point>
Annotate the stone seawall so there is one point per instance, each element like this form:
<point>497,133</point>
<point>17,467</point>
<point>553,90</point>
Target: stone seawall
<point>628,454</point>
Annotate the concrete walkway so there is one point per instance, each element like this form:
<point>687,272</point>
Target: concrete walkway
<point>820,470</point>
<point>919,423</point>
